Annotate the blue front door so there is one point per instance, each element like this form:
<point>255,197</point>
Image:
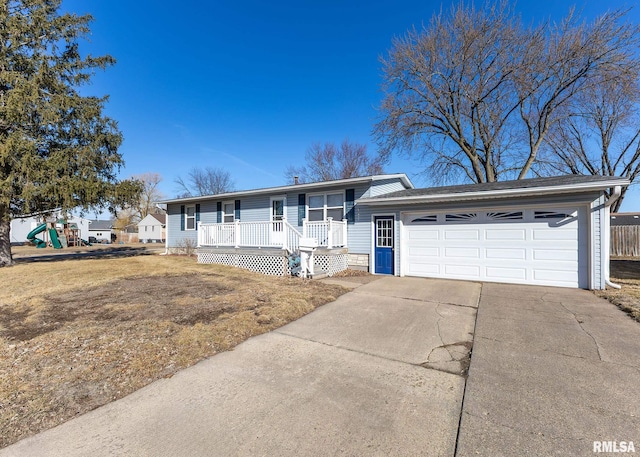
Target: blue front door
<point>384,244</point>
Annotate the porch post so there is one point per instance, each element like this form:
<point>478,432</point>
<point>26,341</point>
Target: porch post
<point>236,232</point>
<point>344,233</point>
<point>199,234</point>
<point>285,243</point>
<point>329,232</point>
<point>304,228</point>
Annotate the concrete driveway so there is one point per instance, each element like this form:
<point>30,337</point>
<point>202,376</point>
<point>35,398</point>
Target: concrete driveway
<point>380,372</point>
<point>552,371</point>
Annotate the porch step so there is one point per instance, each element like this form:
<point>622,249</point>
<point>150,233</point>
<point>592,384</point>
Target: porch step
<point>320,275</point>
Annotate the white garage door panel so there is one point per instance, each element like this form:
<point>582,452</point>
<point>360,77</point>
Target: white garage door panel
<point>473,253</point>
<point>505,254</point>
<point>499,273</point>
<point>422,269</point>
<point>425,234</point>
<point>558,254</point>
<point>473,235</point>
<point>505,234</point>
<point>555,234</point>
<point>524,247</point>
<point>469,271</point>
<point>426,251</point>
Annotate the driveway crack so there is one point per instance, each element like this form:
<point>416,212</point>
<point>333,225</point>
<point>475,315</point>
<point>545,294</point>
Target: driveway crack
<point>584,330</point>
<point>466,378</point>
<point>421,300</point>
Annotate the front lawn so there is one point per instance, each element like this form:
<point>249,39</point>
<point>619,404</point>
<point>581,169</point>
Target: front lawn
<point>77,334</point>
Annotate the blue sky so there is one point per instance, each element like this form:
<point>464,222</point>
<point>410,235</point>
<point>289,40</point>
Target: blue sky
<point>249,86</point>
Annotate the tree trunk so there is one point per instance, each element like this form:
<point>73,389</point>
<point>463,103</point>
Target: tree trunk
<point>5,243</point>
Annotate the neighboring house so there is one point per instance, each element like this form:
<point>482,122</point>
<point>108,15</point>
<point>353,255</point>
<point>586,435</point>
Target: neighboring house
<point>151,229</point>
<point>625,219</point>
<point>543,231</point>
<point>101,230</point>
<point>21,226</point>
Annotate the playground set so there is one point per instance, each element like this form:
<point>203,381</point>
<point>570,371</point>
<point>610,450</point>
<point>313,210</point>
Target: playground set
<point>58,234</point>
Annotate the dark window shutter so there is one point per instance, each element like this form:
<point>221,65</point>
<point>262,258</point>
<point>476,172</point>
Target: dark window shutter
<point>182,218</point>
<point>237,210</point>
<point>197,214</point>
<point>302,208</point>
<point>219,212</point>
<point>349,210</point>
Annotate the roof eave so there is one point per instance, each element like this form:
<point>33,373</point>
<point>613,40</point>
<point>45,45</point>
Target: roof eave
<point>495,194</point>
<point>293,187</point>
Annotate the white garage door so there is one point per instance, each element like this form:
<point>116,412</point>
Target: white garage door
<point>529,246</point>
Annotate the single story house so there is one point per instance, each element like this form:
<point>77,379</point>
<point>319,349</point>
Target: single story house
<point>101,230</point>
<point>544,231</point>
<point>151,229</point>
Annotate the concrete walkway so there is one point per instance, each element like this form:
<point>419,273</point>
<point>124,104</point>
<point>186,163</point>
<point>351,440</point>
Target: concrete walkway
<point>376,372</point>
<point>552,371</point>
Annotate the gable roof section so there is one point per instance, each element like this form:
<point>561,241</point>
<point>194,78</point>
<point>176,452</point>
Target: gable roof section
<point>296,187</point>
<point>515,188</point>
<point>162,218</point>
<point>100,225</point>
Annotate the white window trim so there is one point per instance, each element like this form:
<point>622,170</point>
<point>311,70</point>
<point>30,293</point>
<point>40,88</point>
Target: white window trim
<point>233,212</point>
<point>325,208</point>
<point>187,217</point>
<point>284,206</point>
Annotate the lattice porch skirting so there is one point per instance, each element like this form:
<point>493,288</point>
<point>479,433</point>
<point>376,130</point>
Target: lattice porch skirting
<point>273,262</point>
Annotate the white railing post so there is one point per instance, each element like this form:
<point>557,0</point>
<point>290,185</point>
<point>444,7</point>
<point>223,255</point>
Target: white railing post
<point>236,233</point>
<point>285,233</point>
<point>304,228</point>
<point>344,232</point>
<point>329,232</point>
<point>199,232</point>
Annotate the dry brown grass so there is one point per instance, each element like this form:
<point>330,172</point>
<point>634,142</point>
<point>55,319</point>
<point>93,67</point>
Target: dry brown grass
<point>625,272</point>
<point>77,334</point>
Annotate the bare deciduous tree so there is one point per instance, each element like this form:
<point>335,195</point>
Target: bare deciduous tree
<point>600,134</point>
<point>205,181</point>
<point>326,162</point>
<point>475,93</point>
<point>150,195</point>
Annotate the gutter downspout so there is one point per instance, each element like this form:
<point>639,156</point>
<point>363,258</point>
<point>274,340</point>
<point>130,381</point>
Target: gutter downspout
<point>610,201</point>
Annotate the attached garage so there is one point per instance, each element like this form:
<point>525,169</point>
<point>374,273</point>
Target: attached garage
<point>543,231</point>
<point>530,246</point>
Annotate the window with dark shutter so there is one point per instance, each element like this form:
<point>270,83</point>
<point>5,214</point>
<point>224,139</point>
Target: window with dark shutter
<point>349,210</point>
<point>302,208</point>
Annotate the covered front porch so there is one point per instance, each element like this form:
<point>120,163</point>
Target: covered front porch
<point>269,247</point>
<point>280,234</point>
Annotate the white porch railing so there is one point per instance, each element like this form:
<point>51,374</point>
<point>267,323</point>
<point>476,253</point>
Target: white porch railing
<point>328,233</point>
<point>278,234</point>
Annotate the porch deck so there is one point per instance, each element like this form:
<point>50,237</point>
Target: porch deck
<point>265,247</point>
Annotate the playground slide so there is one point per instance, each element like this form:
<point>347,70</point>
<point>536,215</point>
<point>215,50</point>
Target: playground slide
<point>31,236</point>
<point>55,242</point>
